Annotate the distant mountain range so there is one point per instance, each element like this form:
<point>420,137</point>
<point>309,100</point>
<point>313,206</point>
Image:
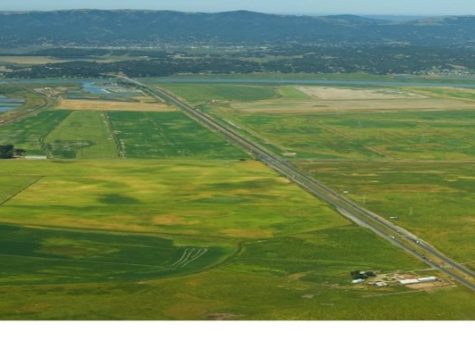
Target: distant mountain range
<point>149,28</point>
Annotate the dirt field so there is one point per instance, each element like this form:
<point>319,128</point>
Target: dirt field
<point>29,60</point>
<point>342,105</point>
<point>74,104</point>
<point>335,93</point>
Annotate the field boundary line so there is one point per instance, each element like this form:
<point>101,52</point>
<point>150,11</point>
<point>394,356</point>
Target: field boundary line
<point>12,196</point>
<point>393,294</point>
<point>110,127</point>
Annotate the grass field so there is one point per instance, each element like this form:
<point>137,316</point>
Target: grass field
<point>164,135</point>
<point>197,93</point>
<point>302,277</point>
<point>311,99</point>
<point>434,200</point>
<point>45,256</point>
<point>392,135</point>
<point>415,165</point>
<point>186,226</point>
<point>192,240</point>
<point>227,199</point>
<point>30,133</point>
<point>82,135</point>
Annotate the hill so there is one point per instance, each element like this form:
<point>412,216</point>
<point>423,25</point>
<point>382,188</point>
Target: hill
<point>125,27</point>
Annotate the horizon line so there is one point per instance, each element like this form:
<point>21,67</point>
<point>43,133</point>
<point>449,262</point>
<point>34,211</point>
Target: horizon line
<point>245,10</point>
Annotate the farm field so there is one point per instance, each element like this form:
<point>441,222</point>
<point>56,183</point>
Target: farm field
<point>196,93</point>
<point>28,60</point>
<point>311,99</point>
<point>434,200</point>
<point>390,135</point>
<point>412,165</point>
<point>154,212</point>
<point>165,135</point>
<point>302,250</point>
<point>31,132</point>
<point>109,105</point>
<point>82,135</point>
<point>36,256</point>
<point>291,261</point>
<point>55,278</point>
<point>228,199</point>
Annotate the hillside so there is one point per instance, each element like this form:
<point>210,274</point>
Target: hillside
<point>125,27</point>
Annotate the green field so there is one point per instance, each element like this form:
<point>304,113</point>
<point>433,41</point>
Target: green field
<point>84,275</point>
<point>415,165</point>
<point>271,251</point>
<point>223,199</point>
<point>197,93</point>
<point>165,135</point>
<point>391,135</point>
<point>186,226</point>
<point>30,133</point>
<point>82,135</point>
<point>32,256</point>
<point>433,200</point>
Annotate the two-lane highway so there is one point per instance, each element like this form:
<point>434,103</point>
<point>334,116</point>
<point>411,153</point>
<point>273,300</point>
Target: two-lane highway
<point>394,234</point>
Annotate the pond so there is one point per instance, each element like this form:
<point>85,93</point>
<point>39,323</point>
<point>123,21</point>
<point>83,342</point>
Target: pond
<point>93,88</point>
<point>7,104</point>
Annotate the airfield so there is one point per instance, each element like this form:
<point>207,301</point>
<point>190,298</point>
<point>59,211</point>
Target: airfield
<point>138,211</point>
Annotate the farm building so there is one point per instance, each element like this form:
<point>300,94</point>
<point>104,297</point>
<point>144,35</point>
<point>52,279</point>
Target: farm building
<point>409,281</point>
<point>428,279</point>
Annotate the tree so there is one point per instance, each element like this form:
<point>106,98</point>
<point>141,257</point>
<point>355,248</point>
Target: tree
<point>19,152</point>
<point>7,151</point>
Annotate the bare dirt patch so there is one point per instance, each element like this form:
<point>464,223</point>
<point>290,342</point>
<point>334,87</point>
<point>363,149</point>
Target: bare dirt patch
<point>29,60</point>
<point>336,99</point>
<point>336,93</point>
<point>328,106</point>
<point>75,104</point>
<point>429,287</point>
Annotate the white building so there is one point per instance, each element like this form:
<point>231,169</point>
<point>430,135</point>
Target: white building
<point>428,279</point>
<point>409,281</point>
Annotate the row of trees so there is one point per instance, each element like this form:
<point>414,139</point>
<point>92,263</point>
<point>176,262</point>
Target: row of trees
<point>9,152</point>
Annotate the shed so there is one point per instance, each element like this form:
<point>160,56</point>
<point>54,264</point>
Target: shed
<point>409,281</point>
<point>428,279</point>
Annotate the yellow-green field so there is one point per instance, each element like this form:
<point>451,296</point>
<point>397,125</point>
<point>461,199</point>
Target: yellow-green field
<point>224,199</point>
<point>411,161</point>
<point>192,240</point>
<point>148,215</point>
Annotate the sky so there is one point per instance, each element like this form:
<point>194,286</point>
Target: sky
<point>367,7</point>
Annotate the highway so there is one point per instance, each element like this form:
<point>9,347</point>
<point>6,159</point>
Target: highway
<point>394,234</point>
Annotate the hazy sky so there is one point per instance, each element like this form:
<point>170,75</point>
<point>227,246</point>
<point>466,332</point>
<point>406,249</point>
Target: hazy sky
<point>387,7</point>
